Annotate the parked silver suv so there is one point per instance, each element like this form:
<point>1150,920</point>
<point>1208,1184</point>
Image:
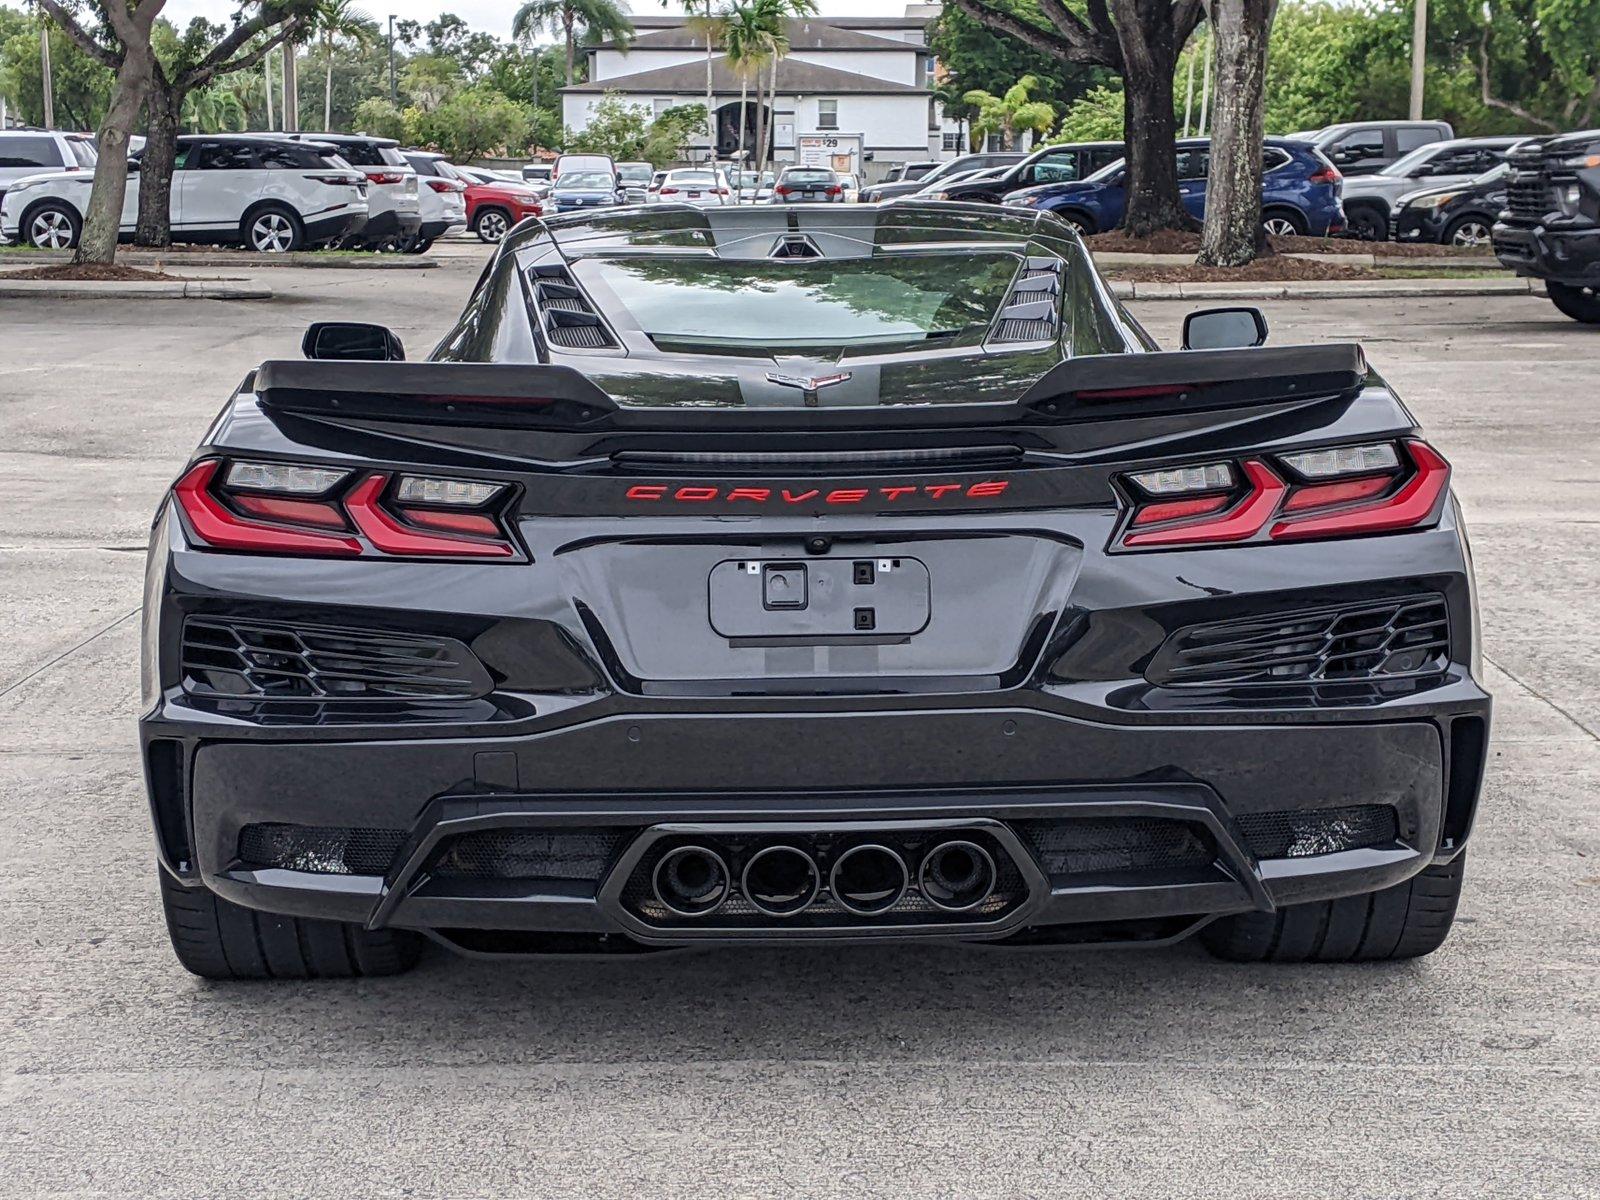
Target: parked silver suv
<point>25,152</point>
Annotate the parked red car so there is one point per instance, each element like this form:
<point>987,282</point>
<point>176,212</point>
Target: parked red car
<point>494,204</point>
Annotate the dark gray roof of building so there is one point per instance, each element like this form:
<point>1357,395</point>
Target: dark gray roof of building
<point>805,33</point>
<point>793,76</point>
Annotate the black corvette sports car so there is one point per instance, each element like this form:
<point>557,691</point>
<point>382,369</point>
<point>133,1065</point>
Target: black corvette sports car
<point>829,573</point>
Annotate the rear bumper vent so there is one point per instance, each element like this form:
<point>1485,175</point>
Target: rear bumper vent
<point>318,850</point>
<point>570,855</point>
<point>1350,643</point>
<point>1117,845</point>
<point>1319,830</point>
<point>269,660</point>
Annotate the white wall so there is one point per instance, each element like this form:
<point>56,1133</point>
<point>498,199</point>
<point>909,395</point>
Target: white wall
<point>893,128</point>
<point>610,63</point>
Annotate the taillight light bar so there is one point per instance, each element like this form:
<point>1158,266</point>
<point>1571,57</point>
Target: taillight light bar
<point>377,516</point>
<point>386,176</point>
<point>1338,492</point>
<point>446,185</point>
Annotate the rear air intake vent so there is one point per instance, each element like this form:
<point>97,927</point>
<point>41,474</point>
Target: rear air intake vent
<point>820,462</point>
<point>319,850</point>
<point>1363,643</point>
<point>1319,830</point>
<point>270,661</point>
<point>571,855</point>
<point>565,314</point>
<point>1032,311</point>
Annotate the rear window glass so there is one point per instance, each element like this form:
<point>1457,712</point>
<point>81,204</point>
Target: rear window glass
<point>634,172</point>
<point>808,177</point>
<point>83,150</point>
<point>281,157</point>
<point>888,298</point>
<point>705,177</point>
<point>29,152</point>
<point>367,154</point>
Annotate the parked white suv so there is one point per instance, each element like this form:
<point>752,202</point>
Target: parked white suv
<point>25,152</point>
<point>442,193</point>
<point>394,209</point>
<point>265,192</point>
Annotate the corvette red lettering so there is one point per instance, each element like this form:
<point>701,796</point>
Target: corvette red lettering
<point>704,493</point>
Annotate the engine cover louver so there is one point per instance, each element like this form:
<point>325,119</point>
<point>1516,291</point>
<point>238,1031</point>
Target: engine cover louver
<point>1356,643</point>
<point>1032,310</point>
<point>565,314</point>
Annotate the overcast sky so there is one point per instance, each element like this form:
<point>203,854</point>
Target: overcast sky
<point>494,16</point>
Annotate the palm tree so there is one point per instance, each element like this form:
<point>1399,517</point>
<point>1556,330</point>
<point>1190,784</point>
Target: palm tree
<point>331,21</point>
<point>743,35</point>
<point>773,17</point>
<point>217,109</point>
<point>1011,113</point>
<point>603,19</point>
<point>713,27</point>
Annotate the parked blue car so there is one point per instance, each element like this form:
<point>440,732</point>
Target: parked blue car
<point>585,189</point>
<point>1300,191</point>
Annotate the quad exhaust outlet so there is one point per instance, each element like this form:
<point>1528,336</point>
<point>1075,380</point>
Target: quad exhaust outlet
<point>957,875</point>
<point>781,881</point>
<point>692,881</point>
<point>868,879</point>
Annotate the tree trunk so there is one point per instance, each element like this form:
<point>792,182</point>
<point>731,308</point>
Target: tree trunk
<point>743,158</point>
<point>572,45</point>
<point>1232,235</point>
<point>771,151</point>
<point>103,219</point>
<point>165,109</point>
<point>291,89</point>
<point>761,127</point>
<point>1150,59</point>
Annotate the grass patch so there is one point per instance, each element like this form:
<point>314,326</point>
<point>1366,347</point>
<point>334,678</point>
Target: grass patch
<point>1424,271</point>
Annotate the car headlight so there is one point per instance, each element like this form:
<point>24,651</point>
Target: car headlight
<point>23,185</point>
<point>1024,201</point>
<point>1567,197</point>
<point>1582,162</point>
<point>1434,202</point>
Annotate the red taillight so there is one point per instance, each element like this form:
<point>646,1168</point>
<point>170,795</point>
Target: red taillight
<point>220,527</point>
<point>453,520</point>
<point>386,532</point>
<point>446,185</point>
<point>835,190</point>
<point>783,189</point>
<point>385,176</point>
<point>1412,504</point>
<point>666,191</point>
<point>1307,501</point>
<point>1327,174</point>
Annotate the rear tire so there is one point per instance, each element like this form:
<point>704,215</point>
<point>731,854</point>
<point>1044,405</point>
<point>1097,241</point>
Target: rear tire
<point>1367,223</point>
<point>1405,921</point>
<point>217,939</point>
<point>1467,232</point>
<point>1283,222</point>
<point>273,230</point>
<point>491,224</point>
<point>1579,303</point>
<point>1083,224</point>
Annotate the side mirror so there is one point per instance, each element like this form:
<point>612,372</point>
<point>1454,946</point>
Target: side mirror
<point>346,340</point>
<point>1224,329</point>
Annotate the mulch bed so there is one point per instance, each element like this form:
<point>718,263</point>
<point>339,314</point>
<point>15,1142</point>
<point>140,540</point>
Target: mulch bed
<point>1273,269</point>
<point>95,272</point>
<point>1173,241</point>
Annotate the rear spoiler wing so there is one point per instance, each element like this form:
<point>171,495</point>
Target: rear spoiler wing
<point>535,396</point>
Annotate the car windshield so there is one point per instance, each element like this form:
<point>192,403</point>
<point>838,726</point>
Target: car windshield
<point>1406,165</point>
<point>1107,172</point>
<point>584,181</point>
<point>692,178</point>
<point>1493,174</point>
<point>634,172</point>
<point>842,302</point>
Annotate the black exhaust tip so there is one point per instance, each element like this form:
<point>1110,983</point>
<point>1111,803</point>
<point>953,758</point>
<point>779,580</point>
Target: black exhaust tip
<point>957,875</point>
<point>692,881</point>
<point>781,881</point>
<point>869,879</point>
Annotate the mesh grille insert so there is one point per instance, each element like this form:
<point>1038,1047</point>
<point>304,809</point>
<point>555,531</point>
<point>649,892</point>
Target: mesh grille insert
<point>1118,844</point>
<point>577,855</point>
<point>320,850</point>
<point>1351,643</point>
<point>1319,830</point>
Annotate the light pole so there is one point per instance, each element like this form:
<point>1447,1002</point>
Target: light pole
<point>394,95</point>
<point>44,76</point>
<point>1419,54</point>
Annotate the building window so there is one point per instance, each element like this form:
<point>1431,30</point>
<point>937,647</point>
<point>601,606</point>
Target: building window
<point>952,142</point>
<point>661,105</point>
<point>827,114</point>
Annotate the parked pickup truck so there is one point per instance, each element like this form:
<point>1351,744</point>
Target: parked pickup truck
<point>1551,226</point>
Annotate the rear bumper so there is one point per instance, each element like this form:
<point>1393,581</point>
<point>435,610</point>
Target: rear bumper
<point>429,230</point>
<point>392,223</point>
<point>349,223</point>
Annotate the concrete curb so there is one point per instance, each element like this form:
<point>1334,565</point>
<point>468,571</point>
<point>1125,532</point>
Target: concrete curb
<point>241,260</point>
<point>1325,289</point>
<point>97,289</point>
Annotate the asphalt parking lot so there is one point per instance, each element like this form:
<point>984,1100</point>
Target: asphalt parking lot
<point>863,1072</point>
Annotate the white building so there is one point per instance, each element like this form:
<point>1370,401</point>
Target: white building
<point>854,93</point>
